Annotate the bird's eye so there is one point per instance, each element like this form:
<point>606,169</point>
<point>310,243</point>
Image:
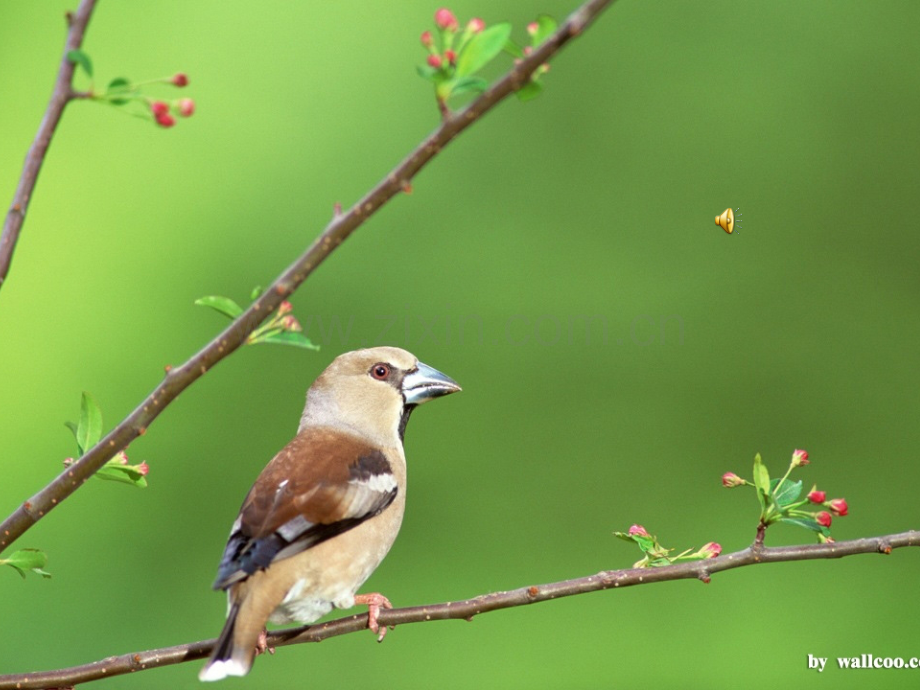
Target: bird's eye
<point>380,371</point>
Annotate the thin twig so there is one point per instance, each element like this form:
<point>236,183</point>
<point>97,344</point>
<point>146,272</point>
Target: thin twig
<point>60,97</point>
<point>467,609</point>
<point>339,229</point>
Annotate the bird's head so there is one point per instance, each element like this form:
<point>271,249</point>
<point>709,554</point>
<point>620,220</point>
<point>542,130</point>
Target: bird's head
<point>373,391</point>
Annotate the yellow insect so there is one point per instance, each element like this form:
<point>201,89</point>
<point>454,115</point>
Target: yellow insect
<point>727,220</point>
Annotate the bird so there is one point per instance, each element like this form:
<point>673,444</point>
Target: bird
<point>326,509</point>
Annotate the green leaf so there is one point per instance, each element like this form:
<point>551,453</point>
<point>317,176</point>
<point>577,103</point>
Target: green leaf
<point>514,49</point>
<point>761,481</point>
<point>546,25</point>
<point>72,427</point>
<point>78,57</point>
<point>27,559</point>
<point>529,91</point>
<point>482,49</point>
<point>290,338</point>
<point>117,86</point>
<point>89,429</point>
<point>467,85</point>
<point>256,292</point>
<point>224,305</point>
<point>807,523</point>
<point>122,473</point>
<point>428,72</point>
<point>788,493</point>
<point>645,543</point>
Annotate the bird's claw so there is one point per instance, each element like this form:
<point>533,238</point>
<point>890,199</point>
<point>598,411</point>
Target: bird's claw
<point>374,602</point>
<point>262,644</point>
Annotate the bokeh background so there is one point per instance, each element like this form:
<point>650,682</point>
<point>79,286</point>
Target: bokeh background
<point>593,204</point>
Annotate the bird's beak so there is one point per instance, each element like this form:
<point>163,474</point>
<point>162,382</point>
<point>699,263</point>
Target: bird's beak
<point>426,383</point>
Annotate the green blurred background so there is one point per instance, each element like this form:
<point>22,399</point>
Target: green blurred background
<point>594,201</point>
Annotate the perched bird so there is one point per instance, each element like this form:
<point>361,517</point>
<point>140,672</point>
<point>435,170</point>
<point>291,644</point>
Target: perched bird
<point>325,511</point>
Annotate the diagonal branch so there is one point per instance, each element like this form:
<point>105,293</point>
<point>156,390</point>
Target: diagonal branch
<point>339,229</point>
<point>60,97</point>
<point>609,579</point>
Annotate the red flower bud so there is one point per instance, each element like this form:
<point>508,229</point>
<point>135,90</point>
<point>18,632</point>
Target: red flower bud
<point>143,469</point>
<point>451,56</point>
<point>710,550</point>
<point>426,39</point>
<point>180,79</point>
<point>165,120</point>
<point>475,25</point>
<point>186,107</point>
<point>799,458</point>
<point>285,308</point>
<point>817,496</point>
<point>639,530</point>
<point>730,480</point>
<point>445,19</point>
<point>533,28</point>
<point>839,506</point>
<point>434,61</point>
<point>823,518</point>
<point>159,108</point>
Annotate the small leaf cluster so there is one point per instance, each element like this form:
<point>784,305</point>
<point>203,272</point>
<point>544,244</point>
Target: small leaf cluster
<point>781,499</point>
<point>282,328</point>
<point>27,560</point>
<point>87,432</point>
<point>454,57</point>
<point>121,91</point>
<point>538,31</point>
<point>657,555</point>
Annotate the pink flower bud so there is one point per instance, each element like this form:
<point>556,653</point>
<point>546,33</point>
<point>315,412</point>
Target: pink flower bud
<point>143,469</point>
<point>290,323</point>
<point>180,79</point>
<point>451,56</point>
<point>533,28</point>
<point>285,308</point>
<point>445,19</point>
<point>68,462</point>
<point>823,518</point>
<point>475,25</point>
<point>165,120</point>
<point>638,530</point>
<point>186,107</point>
<point>426,39</point>
<point>730,480</point>
<point>159,108</point>
<point>817,496</point>
<point>434,61</point>
<point>839,507</point>
<point>710,550</point>
<point>799,458</point>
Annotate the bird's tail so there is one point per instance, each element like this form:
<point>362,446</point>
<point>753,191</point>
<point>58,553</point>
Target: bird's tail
<point>227,659</point>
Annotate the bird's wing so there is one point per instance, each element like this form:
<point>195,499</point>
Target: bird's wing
<point>321,484</point>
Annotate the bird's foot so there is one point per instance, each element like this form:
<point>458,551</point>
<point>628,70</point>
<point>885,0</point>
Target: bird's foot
<point>262,643</point>
<point>374,602</point>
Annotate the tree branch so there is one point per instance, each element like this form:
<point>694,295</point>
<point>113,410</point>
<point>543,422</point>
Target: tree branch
<point>60,97</point>
<point>467,609</point>
<point>339,229</point>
